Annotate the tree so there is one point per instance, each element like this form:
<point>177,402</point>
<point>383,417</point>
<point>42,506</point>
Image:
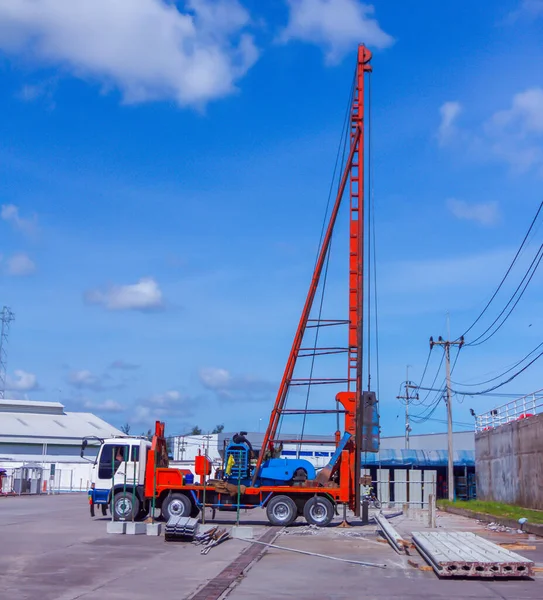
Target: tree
<point>195,431</point>
<point>218,428</point>
<point>126,428</point>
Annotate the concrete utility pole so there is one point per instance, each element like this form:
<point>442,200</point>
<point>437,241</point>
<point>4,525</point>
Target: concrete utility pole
<point>447,347</point>
<point>408,385</point>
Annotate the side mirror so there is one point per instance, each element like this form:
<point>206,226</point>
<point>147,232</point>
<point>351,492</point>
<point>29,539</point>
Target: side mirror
<point>84,444</point>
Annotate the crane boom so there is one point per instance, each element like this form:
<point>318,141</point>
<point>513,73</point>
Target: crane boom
<point>354,174</point>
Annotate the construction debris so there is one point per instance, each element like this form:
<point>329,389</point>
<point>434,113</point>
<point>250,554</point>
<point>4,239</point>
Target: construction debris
<point>391,535</point>
<point>464,554</point>
<point>501,528</point>
<point>345,560</point>
<point>211,538</point>
<point>181,529</point>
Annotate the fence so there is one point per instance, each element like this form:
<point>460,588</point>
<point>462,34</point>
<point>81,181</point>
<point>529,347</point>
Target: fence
<point>32,479</point>
<point>521,408</point>
<point>412,487</point>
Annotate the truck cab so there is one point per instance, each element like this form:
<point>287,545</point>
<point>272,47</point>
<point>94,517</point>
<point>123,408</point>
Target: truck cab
<point>118,470</point>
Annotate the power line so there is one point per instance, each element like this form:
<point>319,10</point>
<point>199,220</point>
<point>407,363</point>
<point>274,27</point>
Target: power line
<point>539,254</point>
<point>499,385</point>
<point>503,373</point>
<point>507,272</point>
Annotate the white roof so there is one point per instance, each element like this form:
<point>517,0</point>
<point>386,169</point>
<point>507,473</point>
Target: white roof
<point>29,422</point>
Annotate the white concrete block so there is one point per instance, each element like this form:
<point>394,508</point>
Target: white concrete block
<point>116,527</point>
<point>242,532</point>
<point>133,528</point>
<point>153,528</point>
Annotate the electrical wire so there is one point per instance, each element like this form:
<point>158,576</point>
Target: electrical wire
<point>499,385</point>
<point>506,273</point>
<point>342,142</point>
<point>317,330</point>
<point>533,270</point>
<point>501,374</point>
<point>369,234</point>
<point>433,382</point>
<point>425,366</point>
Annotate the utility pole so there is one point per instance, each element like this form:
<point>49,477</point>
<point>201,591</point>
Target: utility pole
<point>406,397</point>
<point>6,317</point>
<point>448,399</point>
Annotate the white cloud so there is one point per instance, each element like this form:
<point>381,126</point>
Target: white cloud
<point>123,365</point>
<point>22,382</point>
<point>10,214</point>
<point>513,136</point>
<point>528,9</point>
<point>169,404</point>
<point>84,379</point>
<point>524,116</point>
<point>169,398</point>
<point>484,213</point>
<point>110,406</point>
<point>148,49</point>
<point>240,387</point>
<point>337,25</point>
<point>449,112</point>
<point>20,264</point>
<point>144,295</point>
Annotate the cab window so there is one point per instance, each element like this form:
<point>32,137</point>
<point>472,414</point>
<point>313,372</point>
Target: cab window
<point>111,458</point>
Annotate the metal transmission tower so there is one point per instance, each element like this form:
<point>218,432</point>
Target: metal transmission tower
<point>6,317</point>
<point>447,347</point>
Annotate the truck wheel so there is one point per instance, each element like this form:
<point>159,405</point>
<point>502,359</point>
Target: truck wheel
<point>124,509</point>
<point>176,505</point>
<point>282,511</point>
<point>319,511</point>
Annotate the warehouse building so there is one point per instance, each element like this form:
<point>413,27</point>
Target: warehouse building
<point>40,446</point>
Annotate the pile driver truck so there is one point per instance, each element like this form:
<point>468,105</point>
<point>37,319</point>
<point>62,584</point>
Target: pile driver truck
<point>132,476</point>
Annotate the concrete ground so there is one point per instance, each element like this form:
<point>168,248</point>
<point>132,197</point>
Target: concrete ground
<point>50,549</point>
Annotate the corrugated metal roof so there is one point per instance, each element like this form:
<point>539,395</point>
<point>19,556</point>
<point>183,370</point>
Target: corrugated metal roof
<point>65,428</point>
<point>419,458</point>
<point>31,406</point>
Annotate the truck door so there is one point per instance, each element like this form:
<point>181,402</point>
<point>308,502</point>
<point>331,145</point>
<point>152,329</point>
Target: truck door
<point>116,460</point>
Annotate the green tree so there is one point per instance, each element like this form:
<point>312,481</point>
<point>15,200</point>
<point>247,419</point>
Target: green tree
<point>126,428</point>
<point>195,431</point>
<point>218,428</point>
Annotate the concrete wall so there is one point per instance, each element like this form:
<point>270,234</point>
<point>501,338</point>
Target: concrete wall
<point>509,463</point>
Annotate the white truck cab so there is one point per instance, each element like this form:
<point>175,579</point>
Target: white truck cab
<point>118,472</point>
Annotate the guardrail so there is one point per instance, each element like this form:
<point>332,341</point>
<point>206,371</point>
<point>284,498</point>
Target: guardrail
<point>521,408</point>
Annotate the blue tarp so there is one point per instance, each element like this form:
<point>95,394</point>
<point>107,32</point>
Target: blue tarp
<point>418,458</point>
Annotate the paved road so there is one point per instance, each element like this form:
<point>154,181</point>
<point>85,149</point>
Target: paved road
<point>308,578</point>
<point>50,549</point>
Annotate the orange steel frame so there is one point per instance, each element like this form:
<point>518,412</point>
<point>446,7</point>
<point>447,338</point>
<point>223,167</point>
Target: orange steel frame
<point>351,399</point>
<point>164,479</point>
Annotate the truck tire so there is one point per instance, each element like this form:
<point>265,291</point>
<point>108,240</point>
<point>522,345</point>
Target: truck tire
<point>319,511</point>
<point>282,511</point>
<point>125,507</point>
<point>176,505</point>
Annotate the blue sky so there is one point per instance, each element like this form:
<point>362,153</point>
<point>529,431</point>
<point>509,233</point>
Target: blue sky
<point>164,173</point>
